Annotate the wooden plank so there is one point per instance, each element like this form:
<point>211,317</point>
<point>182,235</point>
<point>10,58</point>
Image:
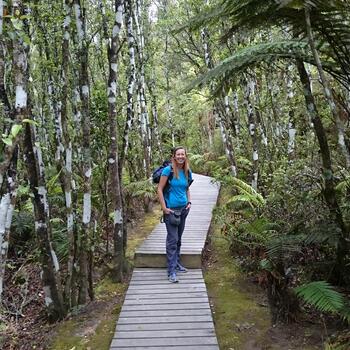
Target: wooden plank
<point>147,313</point>
<point>164,326</point>
<point>179,306</point>
<point>194,341</point>
<point>156,291</point>
<point>164,319</point>
<point>171,347</point>
<point>165,333</point>
<point>195,287</point>
<point>165,281</point>
<point>162,301</point>
<point>167,296</point>
<point>165,287</point>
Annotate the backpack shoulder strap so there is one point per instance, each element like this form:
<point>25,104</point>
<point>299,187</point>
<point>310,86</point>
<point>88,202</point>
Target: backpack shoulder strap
<point>171,173</point>
<point>190,179</point>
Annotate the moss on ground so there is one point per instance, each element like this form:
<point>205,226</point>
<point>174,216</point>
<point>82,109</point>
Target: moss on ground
<point>141,231</point>
<point>237,316</point>
<point>93,327</point>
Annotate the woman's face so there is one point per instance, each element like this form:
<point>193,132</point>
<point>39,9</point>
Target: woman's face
<point>180,156</point>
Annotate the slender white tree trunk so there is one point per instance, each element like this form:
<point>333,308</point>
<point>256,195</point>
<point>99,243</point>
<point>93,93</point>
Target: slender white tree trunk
<point>327,91</point>
<point>218,113</point>
<point>84,92</point>
<point>155,121</point>
<point>131,79</point>
<point>252,132</point>
<point>291,113</point>
<point>144,117</point>
<point>113,159</point>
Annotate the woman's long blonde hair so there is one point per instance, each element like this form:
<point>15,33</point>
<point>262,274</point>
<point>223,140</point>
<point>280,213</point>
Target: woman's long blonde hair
<point>173,162</point>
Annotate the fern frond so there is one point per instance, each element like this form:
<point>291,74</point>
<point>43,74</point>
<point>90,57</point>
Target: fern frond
<point>249,191</point>
<point>252,55</point>
<point>343,185</point>
<point>241,198</point>
<point>283,245</point>
<point>321,295</point>
<point>143,188</point>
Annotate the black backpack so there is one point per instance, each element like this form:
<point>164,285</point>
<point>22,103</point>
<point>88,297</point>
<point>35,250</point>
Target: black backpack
<point>158,173</point>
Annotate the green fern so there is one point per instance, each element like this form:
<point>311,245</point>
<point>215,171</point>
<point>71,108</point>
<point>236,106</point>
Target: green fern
<point>280,246</point>
<point>252,55</point>
<point>143,188</point>
<point>247,193</point>
<point>322,296</point>
<point>196,158</point>
<point>344,185</point>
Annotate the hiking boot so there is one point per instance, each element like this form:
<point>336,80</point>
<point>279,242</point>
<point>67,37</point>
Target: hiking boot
<point>173,278</point>
<point>180,268</point>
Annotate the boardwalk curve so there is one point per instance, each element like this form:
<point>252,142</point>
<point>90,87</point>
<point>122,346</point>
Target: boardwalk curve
<point>157,314</point>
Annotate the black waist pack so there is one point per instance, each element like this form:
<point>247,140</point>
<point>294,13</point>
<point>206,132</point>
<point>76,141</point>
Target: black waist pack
<point>175,217</point>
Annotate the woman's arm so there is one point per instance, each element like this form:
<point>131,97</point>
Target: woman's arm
<point>162,183</point>
<point>188,206</point>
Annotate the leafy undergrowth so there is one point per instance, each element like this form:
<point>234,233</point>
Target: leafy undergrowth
<point>91,327</point>
<point>240,309</point>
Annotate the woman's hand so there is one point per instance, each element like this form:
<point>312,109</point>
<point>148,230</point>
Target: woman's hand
<point>167,211</point>
<point>188,206</point>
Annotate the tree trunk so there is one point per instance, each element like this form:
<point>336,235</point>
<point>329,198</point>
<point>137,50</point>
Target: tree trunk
<point>113,159</point>
<point>219,112</point>
<point>155,121</point>
<point>85,234</point>
<point>327,91</point>
<point>49,262</point>
<point>144,118</point>
<point>67,177</point>
<point>131,82</point>
<point>7,206</point>
<point>291,114</point>
<point>329,190</point>
<point>249,86</point>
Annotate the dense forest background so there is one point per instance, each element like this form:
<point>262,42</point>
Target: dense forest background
<point>93,96</point>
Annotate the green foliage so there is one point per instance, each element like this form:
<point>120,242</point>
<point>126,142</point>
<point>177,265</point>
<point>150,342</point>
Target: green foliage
<point>321,295</point>
<point>143,189</point>
<point>330,21</point>
<point>246,194</point>
<point>282,246</point>
<point>252,55</point>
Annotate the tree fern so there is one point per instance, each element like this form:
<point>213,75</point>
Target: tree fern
<point>256,54</point>
<point>322,296</point>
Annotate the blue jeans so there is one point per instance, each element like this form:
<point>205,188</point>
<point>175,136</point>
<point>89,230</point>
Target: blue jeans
<point>173,239</point>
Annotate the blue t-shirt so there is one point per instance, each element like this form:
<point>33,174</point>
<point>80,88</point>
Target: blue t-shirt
<point>176,196</point>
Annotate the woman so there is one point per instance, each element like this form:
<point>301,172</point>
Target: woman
<point>175,199</point>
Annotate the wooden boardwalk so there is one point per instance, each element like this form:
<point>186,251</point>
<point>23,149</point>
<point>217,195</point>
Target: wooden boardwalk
<point>157,314</point>
<point>203,197</point>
